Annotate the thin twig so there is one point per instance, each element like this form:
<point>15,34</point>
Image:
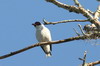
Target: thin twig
<point>81,29</point>
<point>90,11</point>
<point>64,21</point>
<point>77,3</point>
<point>76,32</point>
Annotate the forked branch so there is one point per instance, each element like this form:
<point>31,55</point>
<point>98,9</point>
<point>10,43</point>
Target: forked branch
<point>88,64</point>
<point>78,10</point>
<point>84,59</point>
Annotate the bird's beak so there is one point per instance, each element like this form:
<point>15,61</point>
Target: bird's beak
<point>34,25</point>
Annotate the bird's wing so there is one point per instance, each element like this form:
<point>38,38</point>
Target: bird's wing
<point>48,36</point>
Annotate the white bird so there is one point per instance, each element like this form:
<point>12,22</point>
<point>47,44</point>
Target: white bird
<point>43,35</point>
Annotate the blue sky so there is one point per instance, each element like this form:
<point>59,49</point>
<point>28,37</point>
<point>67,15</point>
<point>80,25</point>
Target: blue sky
<point>16,32</point>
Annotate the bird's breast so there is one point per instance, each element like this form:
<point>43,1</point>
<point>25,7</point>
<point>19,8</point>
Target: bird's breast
<point>43,35</point>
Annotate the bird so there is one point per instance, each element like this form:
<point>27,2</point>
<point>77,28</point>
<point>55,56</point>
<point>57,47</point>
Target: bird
<point>43,35</point>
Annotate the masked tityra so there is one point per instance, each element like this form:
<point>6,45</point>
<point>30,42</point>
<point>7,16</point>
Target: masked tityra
<point>43,35</point>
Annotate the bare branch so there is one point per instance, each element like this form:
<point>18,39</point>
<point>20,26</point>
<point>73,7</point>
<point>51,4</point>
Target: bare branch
<point>81,10</point>
<point>64,21</point>
<point>77,3</point>
<point>76,32</point>
<point>90,11</point>
<point>94,63</point>
<point>65,6</point>
<point>50,0</point>
<point>88,64</point>
<point>84,59</point>
<point>97,13</point>
<point>51,42</point>
<point>81,29</point>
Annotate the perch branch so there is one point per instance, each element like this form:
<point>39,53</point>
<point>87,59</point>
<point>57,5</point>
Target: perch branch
<point>51,42</point>
<point>64,21</point>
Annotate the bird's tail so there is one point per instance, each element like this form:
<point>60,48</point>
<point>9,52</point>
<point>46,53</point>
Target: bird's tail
<point>48,55</point>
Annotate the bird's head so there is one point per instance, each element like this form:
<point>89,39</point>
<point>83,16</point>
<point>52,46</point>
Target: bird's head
<point>36,24</point>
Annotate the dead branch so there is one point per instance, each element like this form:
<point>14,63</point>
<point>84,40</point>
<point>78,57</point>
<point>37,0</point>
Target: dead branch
<point>76,32</point>
<point>81,29</point>
<point>84,59</point>
<point>77,3</point>
<point>91,36</point>
<point>64,21</point>
<point>93,63</point>
<point>78,10</point>
<point>88,64</point>
<point>97,13</point>
<point>90,11</point>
